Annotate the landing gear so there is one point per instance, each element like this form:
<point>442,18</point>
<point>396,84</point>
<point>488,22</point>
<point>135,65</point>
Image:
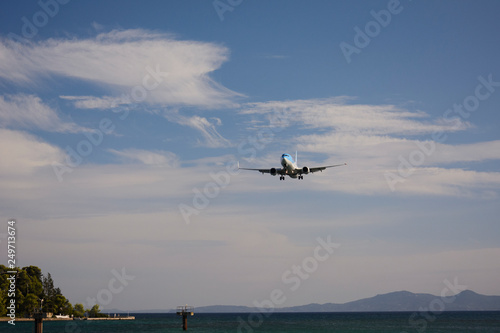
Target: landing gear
<point>282,177</point>
<point>300,177</point>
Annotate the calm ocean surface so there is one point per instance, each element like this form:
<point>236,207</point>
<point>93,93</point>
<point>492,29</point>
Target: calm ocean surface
<point>283,322</point>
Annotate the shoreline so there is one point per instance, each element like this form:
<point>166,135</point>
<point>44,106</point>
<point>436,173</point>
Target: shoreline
<point>2,319</point>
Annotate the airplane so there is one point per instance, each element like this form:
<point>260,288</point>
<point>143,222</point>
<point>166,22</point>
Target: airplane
<point>289,168</point>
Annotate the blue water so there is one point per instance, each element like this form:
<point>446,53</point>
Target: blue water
<point>383,322</point>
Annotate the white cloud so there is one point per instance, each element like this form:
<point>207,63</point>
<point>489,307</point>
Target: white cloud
<point>147,66</point>
<point>92,102</point>
<point>373,158</point>
<point>207,128</point>
<point>23,153</point>
<point>29,112</point>
<point>385,150</point>
<point>472,152</point>
<point>452,182</point>
<point>336,114</point>
<point>160,158</point>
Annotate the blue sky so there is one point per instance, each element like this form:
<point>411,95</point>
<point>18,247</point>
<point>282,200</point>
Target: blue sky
<point>121,121</point>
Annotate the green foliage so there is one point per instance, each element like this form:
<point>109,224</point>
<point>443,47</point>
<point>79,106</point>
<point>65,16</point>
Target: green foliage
<point>31,287</point>
<point>31,303</point>
<point>49,294</point>
<point>4,287</point>
<point>78,310</point>
<point>95,312</point>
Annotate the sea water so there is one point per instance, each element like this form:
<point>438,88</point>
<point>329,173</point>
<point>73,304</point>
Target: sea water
<point>383,322</point>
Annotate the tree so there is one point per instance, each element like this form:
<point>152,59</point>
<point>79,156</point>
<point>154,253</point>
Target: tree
<point>31,287</point>
<point>3,307</point>
<point>59,303</point>
<point>49,294</point>
<point>30,303</point>
<point>3,291</point>
<point>34,272</point>
<point>78,310</point>
<point>67,308</point>
<point>94,311</point>
<point>35,280</point>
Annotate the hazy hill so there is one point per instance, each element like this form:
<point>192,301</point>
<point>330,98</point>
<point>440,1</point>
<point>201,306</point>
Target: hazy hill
<point>395,301</point>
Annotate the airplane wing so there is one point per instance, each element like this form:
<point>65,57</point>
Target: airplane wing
<point>316,169</point>
<point>279,171</point>
<point>272,171</point>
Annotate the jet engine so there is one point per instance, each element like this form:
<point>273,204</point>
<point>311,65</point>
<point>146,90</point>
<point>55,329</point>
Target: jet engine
<point>273,171</point>
<point>305,170</point>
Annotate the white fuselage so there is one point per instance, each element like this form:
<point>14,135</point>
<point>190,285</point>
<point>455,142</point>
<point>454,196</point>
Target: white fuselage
<point>289,165</point>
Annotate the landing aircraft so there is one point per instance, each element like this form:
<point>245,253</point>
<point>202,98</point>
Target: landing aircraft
<point>289,168</point>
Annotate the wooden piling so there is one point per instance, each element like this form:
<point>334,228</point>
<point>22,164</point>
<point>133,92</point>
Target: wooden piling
<point>185,311</point>
<point>38,322</point>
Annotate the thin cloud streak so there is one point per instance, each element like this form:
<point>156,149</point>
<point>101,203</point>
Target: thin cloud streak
<point>29,112</point>
<point>206,127</point>
<point>336,114</point>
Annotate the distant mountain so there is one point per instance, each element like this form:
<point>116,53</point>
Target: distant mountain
<point>225,309</point>
<point>396,301</point>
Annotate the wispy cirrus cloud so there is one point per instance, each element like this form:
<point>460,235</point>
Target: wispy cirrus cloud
<point>206,127</point>
<point>29,112</point>
<point>93,102</point>
<point>171,71</point>
<point>339,115</point>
